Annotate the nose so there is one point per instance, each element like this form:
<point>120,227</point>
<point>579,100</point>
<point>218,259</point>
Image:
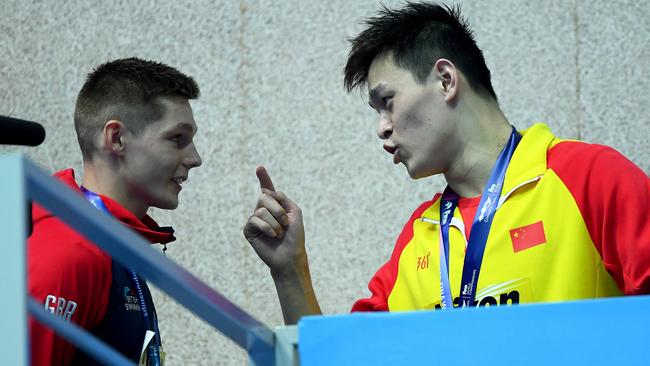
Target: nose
<point>385,128</point>
<point>193,159</point>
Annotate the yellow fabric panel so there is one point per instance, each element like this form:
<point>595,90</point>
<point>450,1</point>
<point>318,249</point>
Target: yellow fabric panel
<point>415,287</point>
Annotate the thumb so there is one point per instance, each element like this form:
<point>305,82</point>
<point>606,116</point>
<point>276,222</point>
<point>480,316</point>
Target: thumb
<point>264,178</point>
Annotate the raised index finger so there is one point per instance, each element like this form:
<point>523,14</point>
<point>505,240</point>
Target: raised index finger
<point>264,178</point>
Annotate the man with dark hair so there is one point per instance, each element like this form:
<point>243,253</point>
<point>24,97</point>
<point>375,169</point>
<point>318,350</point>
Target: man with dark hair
<point>135,128</point>
<point>526,216</point>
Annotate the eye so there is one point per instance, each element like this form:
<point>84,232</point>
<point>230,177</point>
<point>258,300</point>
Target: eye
<point>177,139</point>
<point>387,100</point>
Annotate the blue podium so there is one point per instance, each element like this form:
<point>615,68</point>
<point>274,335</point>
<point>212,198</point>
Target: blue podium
<point>593,332</point>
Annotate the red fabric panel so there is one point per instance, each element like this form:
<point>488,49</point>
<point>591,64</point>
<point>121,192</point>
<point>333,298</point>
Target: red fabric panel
<point>468,208</point>
<point>613,196</point>
<point>69,276</point>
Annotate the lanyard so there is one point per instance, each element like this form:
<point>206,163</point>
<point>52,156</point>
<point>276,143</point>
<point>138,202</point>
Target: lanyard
<point>480,229</point>
<point>152,323</point>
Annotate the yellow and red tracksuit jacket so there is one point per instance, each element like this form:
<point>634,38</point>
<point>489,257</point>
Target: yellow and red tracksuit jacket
<point>572,223</point>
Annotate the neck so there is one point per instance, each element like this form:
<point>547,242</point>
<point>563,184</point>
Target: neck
<point>99,178</point>
<point>485,132</point>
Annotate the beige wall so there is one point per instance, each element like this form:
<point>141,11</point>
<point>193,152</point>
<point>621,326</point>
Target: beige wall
<point>271,79</point>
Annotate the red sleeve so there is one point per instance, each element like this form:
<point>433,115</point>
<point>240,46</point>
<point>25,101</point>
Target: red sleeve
<point>71,278</point>
<point>382,282</point>
<point>613,196</point>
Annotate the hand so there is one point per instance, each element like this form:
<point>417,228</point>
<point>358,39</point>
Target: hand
<point>275,230</point>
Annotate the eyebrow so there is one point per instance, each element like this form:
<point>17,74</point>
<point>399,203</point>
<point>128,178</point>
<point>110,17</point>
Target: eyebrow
<point>374,92</point>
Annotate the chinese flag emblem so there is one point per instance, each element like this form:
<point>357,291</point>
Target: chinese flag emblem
<point>527,236</point>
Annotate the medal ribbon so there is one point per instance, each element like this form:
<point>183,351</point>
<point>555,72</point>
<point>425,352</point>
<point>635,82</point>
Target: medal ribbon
<point>153,348</point>
<point>480,229</point>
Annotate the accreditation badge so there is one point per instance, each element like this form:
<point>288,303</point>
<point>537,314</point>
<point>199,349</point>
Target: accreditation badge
<point>144,355</point>
<point>162,355</point>
<point>144,358</point>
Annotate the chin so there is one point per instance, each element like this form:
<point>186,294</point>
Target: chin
<point>414,173</point>
<point>172,206</point>
<point>166,204</point>
<point>419,174</point>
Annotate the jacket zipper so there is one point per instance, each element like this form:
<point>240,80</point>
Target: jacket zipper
<point>458,224</point>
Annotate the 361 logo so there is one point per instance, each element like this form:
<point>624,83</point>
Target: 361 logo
<point>423,262</point>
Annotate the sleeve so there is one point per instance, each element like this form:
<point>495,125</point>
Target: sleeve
<point>381,284</point>
<point>613,196</point>
<point>71,278</point>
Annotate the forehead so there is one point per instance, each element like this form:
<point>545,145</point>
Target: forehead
<point>384,73</point>
<point>176,113</point>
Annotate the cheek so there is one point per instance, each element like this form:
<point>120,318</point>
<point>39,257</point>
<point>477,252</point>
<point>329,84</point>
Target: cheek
<point>416,115</point>
<point>161,155</point>
<point>150,165</point>
<point>412,127</point>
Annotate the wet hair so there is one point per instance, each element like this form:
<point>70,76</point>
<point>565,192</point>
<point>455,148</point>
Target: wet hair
<point>418,35</point>
<point>127,90</point>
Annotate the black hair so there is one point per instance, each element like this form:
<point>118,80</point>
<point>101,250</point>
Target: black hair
<point>417,36</point>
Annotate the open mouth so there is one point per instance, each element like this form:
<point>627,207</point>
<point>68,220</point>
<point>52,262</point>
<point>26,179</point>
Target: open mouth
<point>390,149</point>
<point>179,181</point>
<point>394,150</point>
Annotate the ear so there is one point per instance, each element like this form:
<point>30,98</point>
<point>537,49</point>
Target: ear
<point>113,137</point>
<point>446,75</point>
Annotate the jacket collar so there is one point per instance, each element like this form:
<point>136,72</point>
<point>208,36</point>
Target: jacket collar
<point>146,226</point>
<point>527,164</point>
<point>529,160</point>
